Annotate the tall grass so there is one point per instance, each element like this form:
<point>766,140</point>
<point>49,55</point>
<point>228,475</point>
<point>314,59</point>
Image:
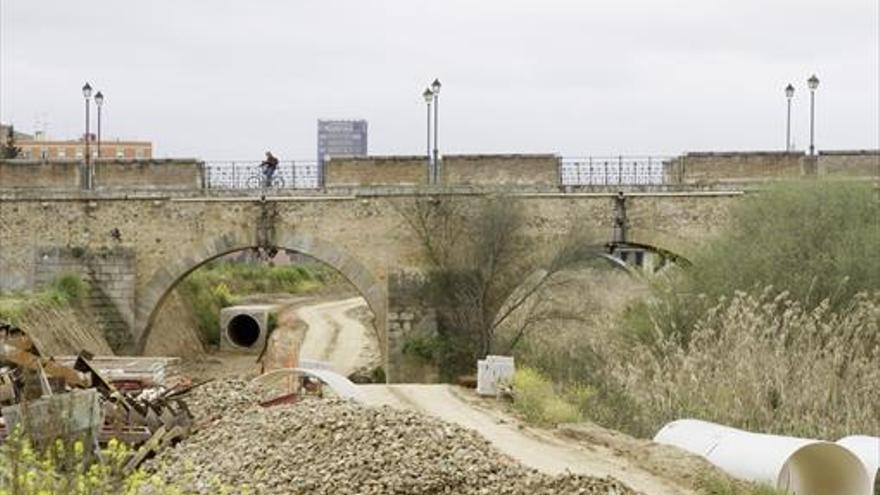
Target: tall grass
<point>766,363</point>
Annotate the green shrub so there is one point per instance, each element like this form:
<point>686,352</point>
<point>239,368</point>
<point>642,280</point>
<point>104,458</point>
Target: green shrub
<point>536,400</point>
<point>814,240</point>
<point>70,288</point>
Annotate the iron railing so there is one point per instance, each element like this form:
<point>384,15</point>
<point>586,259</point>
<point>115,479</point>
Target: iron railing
<point>574,171</point>
<point>615,170</point>
<point>247,174</point>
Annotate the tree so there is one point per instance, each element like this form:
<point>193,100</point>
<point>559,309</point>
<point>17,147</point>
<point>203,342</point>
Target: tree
<point>9,150</point>
<point>483,269</point>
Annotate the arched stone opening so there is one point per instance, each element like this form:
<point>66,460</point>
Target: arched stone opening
<point>372,288</point>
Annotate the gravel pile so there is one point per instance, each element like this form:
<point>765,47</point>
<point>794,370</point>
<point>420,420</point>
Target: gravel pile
<point>222,398</point>
<point>335,447</point>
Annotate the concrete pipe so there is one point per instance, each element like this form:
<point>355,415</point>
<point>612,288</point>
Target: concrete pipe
<point>795,465</point>
<point>868,450</point>
<point>245,328</point>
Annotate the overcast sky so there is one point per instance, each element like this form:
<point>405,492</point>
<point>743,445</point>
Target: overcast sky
<point>229,79</point>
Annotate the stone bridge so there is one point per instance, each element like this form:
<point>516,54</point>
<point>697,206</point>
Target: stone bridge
<point>138,246</point>
<point>143,225</point>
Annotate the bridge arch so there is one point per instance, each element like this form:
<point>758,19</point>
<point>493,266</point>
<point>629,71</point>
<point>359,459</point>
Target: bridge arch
<point>164,280</point>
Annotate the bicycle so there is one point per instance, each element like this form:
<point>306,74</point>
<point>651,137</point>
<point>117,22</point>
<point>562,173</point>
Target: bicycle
<point>258,181</point>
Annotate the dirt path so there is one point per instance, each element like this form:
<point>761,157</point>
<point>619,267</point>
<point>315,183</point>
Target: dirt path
<point>532,447</point>
<point>335,337</point>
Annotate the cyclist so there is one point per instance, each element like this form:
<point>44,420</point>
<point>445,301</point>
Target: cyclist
<point>269,165</point>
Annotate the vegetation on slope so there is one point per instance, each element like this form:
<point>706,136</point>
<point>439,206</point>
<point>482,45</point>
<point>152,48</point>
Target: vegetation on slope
<point>219,284</point>
<point>816,241</point>
<point>65,290</point>
<point>56,317</point>
<point>775,328</point>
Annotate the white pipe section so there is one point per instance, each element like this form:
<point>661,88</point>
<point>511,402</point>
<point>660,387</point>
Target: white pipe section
<point>340,385</point>
<point>796,465</point>
<point>868,450</point>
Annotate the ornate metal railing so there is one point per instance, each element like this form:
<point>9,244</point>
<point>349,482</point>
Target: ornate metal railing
<point>613,170</point>
<point>574,171</point>
<point>247,174</point>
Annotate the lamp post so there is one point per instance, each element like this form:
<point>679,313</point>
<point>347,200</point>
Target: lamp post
<point>813,83</point>
<point>99,102</point>
<point>428,95</point>
<point>87,94</point>
<point>789,93</point>
<point>87,170</point>
<point>435,88</point>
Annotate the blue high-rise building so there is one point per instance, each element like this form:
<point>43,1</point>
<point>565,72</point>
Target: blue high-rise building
<point>341,137</point>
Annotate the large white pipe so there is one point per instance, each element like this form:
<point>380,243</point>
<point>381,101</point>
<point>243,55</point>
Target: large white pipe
<point>796,465</point>
<point>868,450</point>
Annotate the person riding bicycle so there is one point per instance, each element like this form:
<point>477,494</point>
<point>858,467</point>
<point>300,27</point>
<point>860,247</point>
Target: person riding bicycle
<point>269,165</point>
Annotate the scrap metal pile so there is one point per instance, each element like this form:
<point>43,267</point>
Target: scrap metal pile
<point>37,391</point>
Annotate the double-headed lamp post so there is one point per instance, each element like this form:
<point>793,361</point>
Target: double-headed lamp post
<point>87,94</point>
<point>813,83</point>
<point>99,102</point>
<point>428,95</point>
<point>435,90</point>
<point>789,93</point>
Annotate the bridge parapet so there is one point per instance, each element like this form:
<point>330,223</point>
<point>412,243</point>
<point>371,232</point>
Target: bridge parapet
<point>460,174</point>
<point>103,174</point>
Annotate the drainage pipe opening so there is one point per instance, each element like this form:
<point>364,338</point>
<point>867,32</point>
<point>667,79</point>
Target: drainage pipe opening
<point>243,330</point>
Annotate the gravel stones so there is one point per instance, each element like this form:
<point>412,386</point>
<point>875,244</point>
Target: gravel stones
<point>337,447</point>
<point>222,398</point>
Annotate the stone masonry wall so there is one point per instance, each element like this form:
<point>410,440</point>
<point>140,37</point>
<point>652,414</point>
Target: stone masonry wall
<point>698,167</point>
<point>356,171</point>
<point>856,163</point>
<point>110,275</point>
<point>31,174</point>
<point>108,174</point>
<point>409,317</point>
<point>455,170</point>
<point>148,174</point>
<point>500,170</point>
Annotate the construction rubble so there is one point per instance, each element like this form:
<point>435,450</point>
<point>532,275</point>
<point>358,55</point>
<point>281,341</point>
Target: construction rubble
<point>233,436</point>
<point>73,398</point>
<point>330,446</point>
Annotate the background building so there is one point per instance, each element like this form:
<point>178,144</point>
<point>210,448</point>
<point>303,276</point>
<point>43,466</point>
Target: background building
<point>39,146</point>
<point>341,137</point>
<point>18,136</point>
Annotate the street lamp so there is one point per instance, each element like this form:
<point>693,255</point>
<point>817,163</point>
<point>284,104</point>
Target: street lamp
<point>428,95</point>
<point>812,83</point>
<point>99,101</point>
<point>435,87</point>
<point>87,94</point>
<point>789,93</point>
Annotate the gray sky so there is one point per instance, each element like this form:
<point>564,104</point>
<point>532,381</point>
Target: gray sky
<point>229,79</point>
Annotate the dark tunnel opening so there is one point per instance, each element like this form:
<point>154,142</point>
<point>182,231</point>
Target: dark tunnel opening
<point>243,330</point>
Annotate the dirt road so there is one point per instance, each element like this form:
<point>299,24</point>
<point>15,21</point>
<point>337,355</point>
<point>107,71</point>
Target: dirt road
<point>337,338</point>
<point>532,447</point>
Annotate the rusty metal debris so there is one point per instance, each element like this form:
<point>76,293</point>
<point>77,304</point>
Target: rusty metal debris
<point>133,408</point>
